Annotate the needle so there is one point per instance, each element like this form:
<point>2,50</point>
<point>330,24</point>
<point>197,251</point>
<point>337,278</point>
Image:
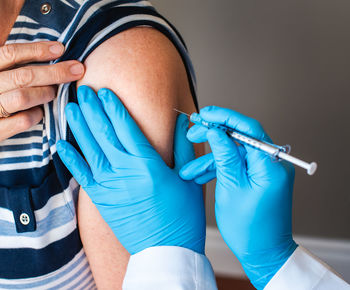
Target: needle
<point>182,112</point>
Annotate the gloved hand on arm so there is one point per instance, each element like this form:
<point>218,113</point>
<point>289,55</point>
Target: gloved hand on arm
<point>145,202</point>
<point>253,196</point>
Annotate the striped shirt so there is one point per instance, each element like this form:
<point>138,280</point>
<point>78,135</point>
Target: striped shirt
<point>40,247</point>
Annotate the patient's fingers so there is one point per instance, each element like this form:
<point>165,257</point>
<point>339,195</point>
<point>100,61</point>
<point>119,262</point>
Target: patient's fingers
<point>19,122</point>
<point>19,53</point>
<point>38,76</point>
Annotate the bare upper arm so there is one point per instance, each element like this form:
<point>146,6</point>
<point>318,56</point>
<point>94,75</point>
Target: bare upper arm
<point>145,70</point>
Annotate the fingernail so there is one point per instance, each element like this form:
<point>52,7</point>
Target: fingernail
<point>56,49</point>
<point>77,69</point>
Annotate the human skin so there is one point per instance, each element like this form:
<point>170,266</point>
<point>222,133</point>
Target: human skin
<point>24,89</point>
<point>140,65</point>
<point>146,72</point>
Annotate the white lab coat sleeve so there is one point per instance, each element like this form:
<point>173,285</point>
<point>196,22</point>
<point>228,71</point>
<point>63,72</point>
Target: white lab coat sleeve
<point>170,268</point>
<point>305,271</point>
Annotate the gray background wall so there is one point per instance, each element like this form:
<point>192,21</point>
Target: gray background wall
<point>287,64</point>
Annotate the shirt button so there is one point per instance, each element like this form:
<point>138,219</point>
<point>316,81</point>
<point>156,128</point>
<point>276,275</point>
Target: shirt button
<point>24,219</point>
<point>46,8</point>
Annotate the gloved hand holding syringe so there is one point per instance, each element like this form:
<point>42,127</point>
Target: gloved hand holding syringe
<point>275,151</point>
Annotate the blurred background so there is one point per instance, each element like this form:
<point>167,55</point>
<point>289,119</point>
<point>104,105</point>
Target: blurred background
<point>285,63</point>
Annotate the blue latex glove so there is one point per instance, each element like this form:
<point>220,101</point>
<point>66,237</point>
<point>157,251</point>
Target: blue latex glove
<point>253,197</point>
<point>144,201</point>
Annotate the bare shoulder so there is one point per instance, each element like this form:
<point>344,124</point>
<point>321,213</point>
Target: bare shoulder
<point>147,73</point>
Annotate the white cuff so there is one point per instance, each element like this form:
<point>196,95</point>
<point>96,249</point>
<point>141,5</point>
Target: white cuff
<point>305,271</point>
<point>169,268</point>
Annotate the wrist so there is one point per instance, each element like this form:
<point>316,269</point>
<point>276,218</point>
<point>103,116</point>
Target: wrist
<point>188,242</point>
<point>143,236</point>
<point>261,266</point>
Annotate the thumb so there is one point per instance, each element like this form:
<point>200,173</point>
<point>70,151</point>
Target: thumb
<point>183,149</point>
<point>230,165</point>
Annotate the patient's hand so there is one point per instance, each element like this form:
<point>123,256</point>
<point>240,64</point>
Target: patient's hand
<point>24,88</point>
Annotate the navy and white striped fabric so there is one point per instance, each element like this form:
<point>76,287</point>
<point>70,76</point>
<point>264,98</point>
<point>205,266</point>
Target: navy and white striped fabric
<point>46,252</point>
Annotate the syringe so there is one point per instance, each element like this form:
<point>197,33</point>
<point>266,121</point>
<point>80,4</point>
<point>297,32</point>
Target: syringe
<point>275,151</point>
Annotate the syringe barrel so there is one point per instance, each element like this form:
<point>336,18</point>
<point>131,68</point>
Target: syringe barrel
<point>273,151</point>
<point>267,148</point>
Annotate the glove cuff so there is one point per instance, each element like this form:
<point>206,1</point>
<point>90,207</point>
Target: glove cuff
<point>261,267</point>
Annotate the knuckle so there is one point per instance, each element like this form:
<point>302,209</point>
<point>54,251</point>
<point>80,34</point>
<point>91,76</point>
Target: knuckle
<point>46,94</point>
<point>57,73</point>
<point>209,108</point>
<point>28,119</point>
<point>37,50</point>
<point>8,53</point>
<point>25,121</point>
<point>21,98</point>
<point>256,126</point>
<point>23,77</point>
<point>50,93</point>
<point>6,102</point>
